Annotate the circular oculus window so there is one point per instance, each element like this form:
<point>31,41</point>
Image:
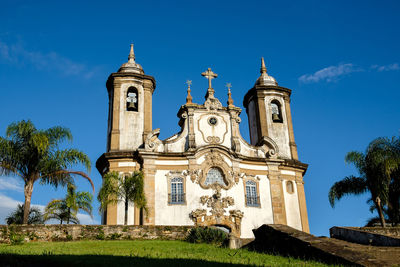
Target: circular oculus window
<point>213,121</point>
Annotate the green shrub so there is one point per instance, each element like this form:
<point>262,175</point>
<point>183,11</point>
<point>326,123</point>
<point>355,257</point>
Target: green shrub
<point>16,239</point>
<point>69,237</point>
<point>32,236</point>
<point>207,235</point>
<point>115,236</point>
<point>101,235</point>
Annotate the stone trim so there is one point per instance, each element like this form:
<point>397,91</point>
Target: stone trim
<point>302,203</point>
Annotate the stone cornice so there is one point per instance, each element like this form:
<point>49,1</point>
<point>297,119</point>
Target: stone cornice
<point>265,90</point>
<point>111,78</point>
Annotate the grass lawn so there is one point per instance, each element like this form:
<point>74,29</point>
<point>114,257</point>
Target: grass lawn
<point>135,253</point>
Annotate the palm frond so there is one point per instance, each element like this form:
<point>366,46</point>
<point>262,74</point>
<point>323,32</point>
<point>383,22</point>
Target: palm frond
<point>349,185</point>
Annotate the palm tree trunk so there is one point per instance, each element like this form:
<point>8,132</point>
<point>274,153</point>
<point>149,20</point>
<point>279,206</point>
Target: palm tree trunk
<point>380,212</point>
<point>69,215</point>
<point>126,212</point>
<point>28,188</point>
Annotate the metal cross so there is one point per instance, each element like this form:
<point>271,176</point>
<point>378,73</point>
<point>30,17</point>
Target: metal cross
<point>209,74</point>
<point>229,85</point>
<point>189,83</point>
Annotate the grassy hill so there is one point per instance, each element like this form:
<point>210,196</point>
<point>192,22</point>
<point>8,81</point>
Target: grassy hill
<point>136,253</point>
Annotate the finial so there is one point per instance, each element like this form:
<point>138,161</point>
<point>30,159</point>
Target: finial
<point>131,58</point>
<point>263,68</point>
<point>189,97</point>
<point>230,100</point>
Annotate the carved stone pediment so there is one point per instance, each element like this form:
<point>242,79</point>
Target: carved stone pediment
<point>214,160</point>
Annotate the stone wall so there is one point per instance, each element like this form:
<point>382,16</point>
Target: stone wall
<point>99,232</point>
<point>287,241</point>
<point>376,236</point>
<point>389,231</point>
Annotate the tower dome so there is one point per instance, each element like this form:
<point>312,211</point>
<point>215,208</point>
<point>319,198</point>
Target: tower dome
<point>264,78</point>
<point>131,65</point>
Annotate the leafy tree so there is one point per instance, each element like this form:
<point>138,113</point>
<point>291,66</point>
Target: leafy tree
<point>376,167</point>
<point>17,216</point>
<point>34,155</point>
<point>126,188</point>
<point>66,210</point>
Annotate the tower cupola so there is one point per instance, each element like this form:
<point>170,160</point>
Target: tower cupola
<point>131,65</point>
<point>264,78</point>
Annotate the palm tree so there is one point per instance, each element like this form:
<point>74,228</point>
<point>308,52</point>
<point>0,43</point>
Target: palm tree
<point>126,188</point>
<point>33,155</point>
<point>66,210</point>
<point>17,216</point>
<point>375,167</point>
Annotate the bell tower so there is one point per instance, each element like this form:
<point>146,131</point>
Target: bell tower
<point>130,94</point>
<point>268,110</point>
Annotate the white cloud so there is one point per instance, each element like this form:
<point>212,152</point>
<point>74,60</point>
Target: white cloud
<point>18,55</point>
<point>11,183</point>
<point>329,74</point>
<point>389,67</point>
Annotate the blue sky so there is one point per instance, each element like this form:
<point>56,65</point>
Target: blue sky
<point>340,58</point>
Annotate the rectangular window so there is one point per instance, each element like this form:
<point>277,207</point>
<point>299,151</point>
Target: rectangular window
<point>252,198</point>
<point>177,195</point>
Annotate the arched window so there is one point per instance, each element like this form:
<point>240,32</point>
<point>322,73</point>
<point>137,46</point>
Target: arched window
<point>215,176</point>
<point>289,187</point>
<point>177,195</point>
<point>252,198</point>
<point>132,102</point>
<point>276,111</point>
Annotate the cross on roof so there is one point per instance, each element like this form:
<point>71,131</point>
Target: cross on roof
<point>189,83</point>
<point>229,85</point>
<point>209,74</point>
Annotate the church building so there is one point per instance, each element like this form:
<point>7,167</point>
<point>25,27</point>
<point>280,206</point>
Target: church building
<point>206,174</point>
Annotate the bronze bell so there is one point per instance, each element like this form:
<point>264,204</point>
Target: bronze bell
<point>275,117</point>
<point>131,104</point>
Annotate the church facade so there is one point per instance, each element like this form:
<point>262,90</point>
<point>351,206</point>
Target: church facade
<point>207,174</point>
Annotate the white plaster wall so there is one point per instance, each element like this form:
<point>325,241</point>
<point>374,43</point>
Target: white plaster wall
<point>252,122</point>
<point>121,213</point>
<point>278,131</point>
<point>131,123</point>
<point>121,204</point>
<point>292,206</point>
<point>179,214</point>
<point>222,129</point>
<point>178,144</point>
<point>253,217</point>
<point>176,214</point>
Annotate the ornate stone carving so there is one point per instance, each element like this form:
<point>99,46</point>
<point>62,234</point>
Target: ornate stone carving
<point>212,103</point>
<point>212,133</point>
<point>235,144</point>
<point>218,207</point>
<point>269,146</point>
<point>213,139</point>
<point>216,203</point>
<point>152,142</point>
<point>214,160</point>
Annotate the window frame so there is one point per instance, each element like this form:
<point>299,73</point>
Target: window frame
<point>255,180</point>
<point>170,177</point>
